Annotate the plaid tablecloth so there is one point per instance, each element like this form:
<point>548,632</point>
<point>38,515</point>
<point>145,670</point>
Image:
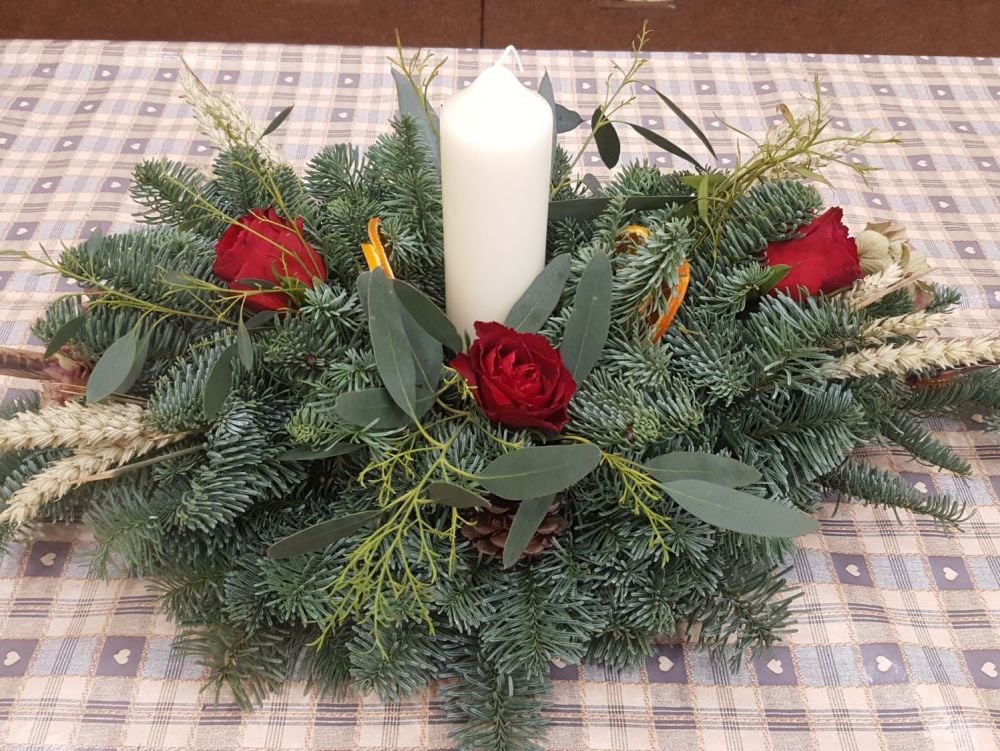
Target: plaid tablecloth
<point>898,644</point>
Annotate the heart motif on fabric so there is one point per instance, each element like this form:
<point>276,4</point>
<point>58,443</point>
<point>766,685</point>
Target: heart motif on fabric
<point>12,658</point>
<point>989,669</point>
<point>664,664</point>
<point>122,656</point>
<point>775,666</point>
<point>48,560</point>
<point>883,664</point>
<point>920,487</point>
<point>559,663</point>
<point>950,574</point>
<point>853,570</point>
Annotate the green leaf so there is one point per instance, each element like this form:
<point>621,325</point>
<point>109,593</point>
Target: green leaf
<point>567,119</point>
<point>219,383</point>
<point>715,180</point>
<point>539,470</point>
<point>376,406</point>
<point>430,317</point>
<point>535,306</point>
<point>305,454</point>
<point>259,284</point>
<point>699,465</point>
<point>118,368</point>
<point>244,346</point>
<point>545,91</point>
<point>593,185</point>
<point>703,199</point>
<point>687,121</point>
<point>393,356</point>
<point>260,320</point>
<point>411,103</point>
<point>738,511</point>
<point>665,144</point>
<point>590,208</point>
<point>319,536</point>
<point>64,334</point>
<point>530,514</point>
<point>427,354</point>
<point>808,174</point>
<point>773,277</point>
<point>277,121</point>
<point>606,137</point>
<point>454,495</point>
<point>587,328</point>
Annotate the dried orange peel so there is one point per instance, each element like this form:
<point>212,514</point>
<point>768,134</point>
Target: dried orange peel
<point>674,303</point>
<point>637,234</point>
<point>374,251</point>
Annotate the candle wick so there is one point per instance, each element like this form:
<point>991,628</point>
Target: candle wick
<point>511,50</point>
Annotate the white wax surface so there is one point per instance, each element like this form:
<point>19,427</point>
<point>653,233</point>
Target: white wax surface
<point>496,155</point>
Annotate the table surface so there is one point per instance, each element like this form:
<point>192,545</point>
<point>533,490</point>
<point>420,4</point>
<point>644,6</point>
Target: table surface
<point>898,641</point>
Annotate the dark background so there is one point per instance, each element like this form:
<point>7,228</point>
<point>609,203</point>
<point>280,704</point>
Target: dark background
<point>932,27</point>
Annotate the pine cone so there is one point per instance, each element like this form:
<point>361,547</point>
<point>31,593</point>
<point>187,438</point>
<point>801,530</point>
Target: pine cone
<point>489,532</point>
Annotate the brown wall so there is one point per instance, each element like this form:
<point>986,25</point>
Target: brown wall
<point>940,27</point>
<point>950,27</point>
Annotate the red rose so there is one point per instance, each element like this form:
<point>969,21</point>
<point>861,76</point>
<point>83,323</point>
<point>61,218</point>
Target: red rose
<point>823,258</point>
<point>262,246</point>
<point>519,379</point>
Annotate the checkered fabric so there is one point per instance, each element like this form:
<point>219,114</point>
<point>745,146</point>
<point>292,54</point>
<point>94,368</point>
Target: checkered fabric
<point>899,624</point>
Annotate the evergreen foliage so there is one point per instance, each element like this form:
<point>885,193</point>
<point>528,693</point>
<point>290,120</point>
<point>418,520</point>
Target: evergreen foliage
<point>391,608</point>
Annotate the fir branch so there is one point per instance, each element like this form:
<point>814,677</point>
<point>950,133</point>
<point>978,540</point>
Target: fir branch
<point>914,357</point>
<point>877,487</point>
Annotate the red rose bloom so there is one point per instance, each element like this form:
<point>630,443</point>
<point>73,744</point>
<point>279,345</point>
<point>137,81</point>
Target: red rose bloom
<point>823,258</point>
<point>263,246</point>
<point>519,379</point>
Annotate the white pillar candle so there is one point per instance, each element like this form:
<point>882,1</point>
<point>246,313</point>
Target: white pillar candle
<point>496,156</point>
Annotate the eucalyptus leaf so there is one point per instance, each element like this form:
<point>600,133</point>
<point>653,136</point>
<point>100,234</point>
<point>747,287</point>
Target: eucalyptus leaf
<point>219,383</point>
<point>277,121</point>
<point>567,119</point>
<point>244,346</point>
<point>320,536</point>
<point>665,144</point>
<point>808,174</point>
<point>118,368</point>
<point>535,306</point>
<point>609,146</point>
<point>586,330</point>
<point>539,470</point>
<point>530,514</point>
<point>64,334</point>
<point>260,320</point>
<point>699,465</point>
<point>455,496</point>
<point>692,125</point>
<point>411,103</point>
<point>305,454</point>
<point>590,208</point>
<point>428,358</point>
<point>393,355</point>
<point>376,407</point>
<point>593,185</point>
<point>735,510</point>
<point>430,317</point>
<point>545,91</point>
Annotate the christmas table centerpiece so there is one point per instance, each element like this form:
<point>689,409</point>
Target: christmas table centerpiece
<point>443,410</point>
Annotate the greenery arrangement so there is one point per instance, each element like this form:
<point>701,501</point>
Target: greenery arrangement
<point>259,406</point>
